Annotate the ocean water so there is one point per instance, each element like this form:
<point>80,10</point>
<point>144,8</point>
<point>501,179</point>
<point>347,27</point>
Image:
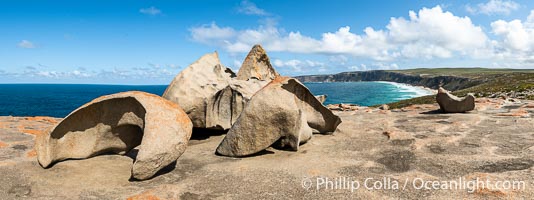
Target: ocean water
<point>366,93</point>
<point>58,100</point>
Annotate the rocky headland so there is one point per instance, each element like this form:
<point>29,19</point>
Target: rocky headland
<point>447,82</point>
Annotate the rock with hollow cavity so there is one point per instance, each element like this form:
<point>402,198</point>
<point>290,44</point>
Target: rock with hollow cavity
<point>284,111</point>
<point>452,104</point>
<point>225,106</point>
<point>321,98</point>
<point>116,124</point>
<point>257,66</point>
<point>195,85</point>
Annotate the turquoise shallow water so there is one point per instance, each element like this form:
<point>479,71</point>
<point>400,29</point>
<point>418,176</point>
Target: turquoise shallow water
<point>365,93</point>
<point>58,100</point>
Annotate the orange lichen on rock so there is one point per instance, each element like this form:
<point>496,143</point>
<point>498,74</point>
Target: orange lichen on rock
<point>314,172</point>
<point>2,145</point>
<point>21,127</point>
<point>32,131</point>
<point>279,79</point>
<point>41,118</point>
<point>3,125</point>
<point>487,192</point>
<point>482,100</point>
<point>518,113</point>
<point>146,195</point>
<point>25,129</point>
<point>31,153</point>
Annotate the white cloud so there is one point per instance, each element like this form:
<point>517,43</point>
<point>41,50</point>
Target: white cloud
<point>249,8</point>
<point>60,74</point>
<point>361,67</point>
<point>237,64</point>
<point>385,66</point>
<point>152,72</point>
<point>517,39</point>
<point>493,7</point>
<point>298,65</point>
<point>429,33</point>
<point>374,66</point>
<point>212,34</point>
<point>435,33</point>
<point>26,44</point>
<point>339,59</point>
<point>150,11</point>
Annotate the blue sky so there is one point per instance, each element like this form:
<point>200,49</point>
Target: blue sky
<point>149,42</point>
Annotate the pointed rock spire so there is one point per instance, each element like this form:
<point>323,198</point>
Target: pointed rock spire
<point>257,65</point>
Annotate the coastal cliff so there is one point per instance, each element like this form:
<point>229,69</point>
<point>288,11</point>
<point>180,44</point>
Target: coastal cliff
<point>448,82</point>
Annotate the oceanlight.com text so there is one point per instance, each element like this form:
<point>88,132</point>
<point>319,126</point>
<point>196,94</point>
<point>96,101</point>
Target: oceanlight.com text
<point>387,183</point>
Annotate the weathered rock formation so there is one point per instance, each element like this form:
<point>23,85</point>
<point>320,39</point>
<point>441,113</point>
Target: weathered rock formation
<point>211,94</point>
<point>226,105</point>
<point>116,124</point>
<point>257,66</point>
<point>451,104</point>
<point>283,111</point>
<point>195,85</point>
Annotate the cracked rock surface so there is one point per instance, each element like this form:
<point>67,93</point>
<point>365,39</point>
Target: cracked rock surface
<point>494,141</point>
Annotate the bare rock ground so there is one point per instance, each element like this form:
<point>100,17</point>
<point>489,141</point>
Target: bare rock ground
<point>494,142</point>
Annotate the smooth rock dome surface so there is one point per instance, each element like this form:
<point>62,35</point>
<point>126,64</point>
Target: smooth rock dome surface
<point>116,124</point>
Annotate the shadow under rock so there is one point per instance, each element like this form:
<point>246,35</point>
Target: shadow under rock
<point>165,170</point>
<point>262,152</point>
<point>133,155</point>
<point>203,134</point>
<point>438,111</point>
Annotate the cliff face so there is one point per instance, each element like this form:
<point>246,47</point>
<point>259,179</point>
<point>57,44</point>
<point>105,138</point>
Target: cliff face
<point>448,82</point>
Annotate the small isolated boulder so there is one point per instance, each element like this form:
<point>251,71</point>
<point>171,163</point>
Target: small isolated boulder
<point>384,107</point>
<point>257,66</point>
<point>321,98</point>
<point>283,112</point>
<point>116,124</point>
<point>195,85</point>
<point>452,104</point>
